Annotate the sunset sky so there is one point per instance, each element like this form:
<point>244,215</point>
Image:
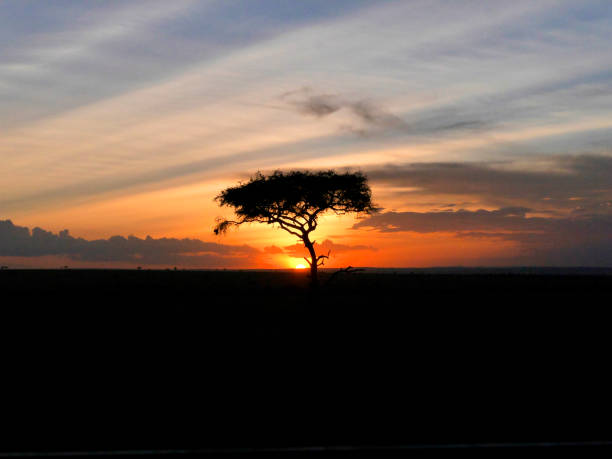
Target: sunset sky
<point>485,128</point>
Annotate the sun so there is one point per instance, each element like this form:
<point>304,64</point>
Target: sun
<point>300,266</point>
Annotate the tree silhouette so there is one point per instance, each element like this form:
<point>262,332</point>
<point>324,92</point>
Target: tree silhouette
<point>294,200</point>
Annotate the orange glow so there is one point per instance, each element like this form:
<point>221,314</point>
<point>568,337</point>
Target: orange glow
<point>300,266</point>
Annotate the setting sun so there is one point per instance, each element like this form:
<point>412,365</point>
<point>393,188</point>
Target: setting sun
<point>300,266</point>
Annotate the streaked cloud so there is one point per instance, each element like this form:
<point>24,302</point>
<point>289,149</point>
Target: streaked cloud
<point>368,118</point>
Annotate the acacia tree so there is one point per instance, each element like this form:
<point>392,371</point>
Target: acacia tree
<point>294,201</point>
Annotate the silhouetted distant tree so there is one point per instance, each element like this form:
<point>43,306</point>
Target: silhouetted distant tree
<point>294,200</point>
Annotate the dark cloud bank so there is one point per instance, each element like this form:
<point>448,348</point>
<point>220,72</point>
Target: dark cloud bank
<point>580,183</point>
<point>573,241</point>
<point>18,241</point>
<point>568,220</point>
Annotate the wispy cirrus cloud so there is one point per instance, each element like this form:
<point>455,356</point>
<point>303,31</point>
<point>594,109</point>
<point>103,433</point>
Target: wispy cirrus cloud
<point>105,101</point>
<point>366,117</point>
<point>455,78</point>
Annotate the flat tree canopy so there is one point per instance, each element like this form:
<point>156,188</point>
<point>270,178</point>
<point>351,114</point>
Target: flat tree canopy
<point>294,200</point>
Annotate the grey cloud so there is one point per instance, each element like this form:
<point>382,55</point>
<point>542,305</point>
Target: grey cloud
<point>317,105</point>
<point>558,212</point>
<point>507,219</point>
<point>372,118</point>
<point>577,240</point>
<point>529,104</point>
<point>524,105</point>
<point>473,124</point>
<point>18,241</point>
<point>374,115</point>
<point>307,103</point>
<point>582,183</point>
<point>444,120</point>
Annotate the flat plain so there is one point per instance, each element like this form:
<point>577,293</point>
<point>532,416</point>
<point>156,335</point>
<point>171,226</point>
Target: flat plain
<point>138,359</point>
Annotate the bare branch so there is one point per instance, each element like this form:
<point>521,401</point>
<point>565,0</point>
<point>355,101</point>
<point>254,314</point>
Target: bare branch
<point>322,258</point>
<point>291,223</point>
<point>348,270</point>
<point>223,225</point>
<point>282,225</point>
<point>281,220</point>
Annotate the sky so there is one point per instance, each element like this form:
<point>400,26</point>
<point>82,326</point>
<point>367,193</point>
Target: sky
<point>484,127</point>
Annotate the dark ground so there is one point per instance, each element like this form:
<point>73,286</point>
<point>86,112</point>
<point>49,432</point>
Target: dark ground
<point>104,360</point>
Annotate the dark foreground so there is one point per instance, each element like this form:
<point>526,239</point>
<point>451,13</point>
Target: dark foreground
<point>222,361</point>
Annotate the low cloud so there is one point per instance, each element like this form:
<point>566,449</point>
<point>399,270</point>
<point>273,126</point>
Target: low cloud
<point>18,241</point>
<point>272,250</point>
<point>582,183</point>
<point>584,240</point>
<point>508,219</point>
<point>298,250</point>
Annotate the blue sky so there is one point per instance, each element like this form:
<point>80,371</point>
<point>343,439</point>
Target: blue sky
<point>114,111</point>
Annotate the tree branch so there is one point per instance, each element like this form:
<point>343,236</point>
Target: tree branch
<point>348,270</point>
<point>292,223</point>
<point>223,225</point>
<point>322,258</point>
<point>295,233</point>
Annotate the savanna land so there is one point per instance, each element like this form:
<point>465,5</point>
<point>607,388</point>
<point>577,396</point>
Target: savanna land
<point>141,359</point>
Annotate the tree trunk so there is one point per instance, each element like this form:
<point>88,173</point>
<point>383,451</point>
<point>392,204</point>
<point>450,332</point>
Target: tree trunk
<point>314,275</point>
